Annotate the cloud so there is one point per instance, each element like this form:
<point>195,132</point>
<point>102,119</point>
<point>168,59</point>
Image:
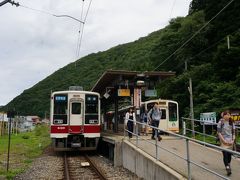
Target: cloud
<point>33,45</point>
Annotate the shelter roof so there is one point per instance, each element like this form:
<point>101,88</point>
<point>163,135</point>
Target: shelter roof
<point>109,77</point>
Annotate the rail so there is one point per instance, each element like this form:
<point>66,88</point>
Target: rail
<point>187,139</point>
<point>96,168</point>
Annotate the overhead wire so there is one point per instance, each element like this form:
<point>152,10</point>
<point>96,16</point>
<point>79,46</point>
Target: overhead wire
<point>173,4</point>
<point>196,33</point>
<point>82,30</point>
<point>202,51</point>
<point>81,21</point>
<point>79,32</point>
<point>48,13</point>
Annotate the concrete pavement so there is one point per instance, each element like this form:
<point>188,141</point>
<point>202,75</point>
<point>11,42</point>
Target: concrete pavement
<point>207,157</point>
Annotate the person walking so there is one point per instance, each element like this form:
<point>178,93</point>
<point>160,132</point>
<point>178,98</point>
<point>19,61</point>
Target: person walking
<point>155,115</point>
<point>226,134</point>
<point>130,119</point>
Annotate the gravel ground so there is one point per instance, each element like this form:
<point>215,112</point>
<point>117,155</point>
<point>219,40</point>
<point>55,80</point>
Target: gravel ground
<point>113,173</point>
<point>50,166</point>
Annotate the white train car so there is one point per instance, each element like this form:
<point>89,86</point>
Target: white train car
<point>170,113</point>
<point>75,120</point>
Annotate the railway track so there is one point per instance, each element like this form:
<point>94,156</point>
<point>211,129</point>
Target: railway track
<point>81,167</point>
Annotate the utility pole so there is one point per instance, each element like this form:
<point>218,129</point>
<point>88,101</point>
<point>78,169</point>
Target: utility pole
<point>191,102</point>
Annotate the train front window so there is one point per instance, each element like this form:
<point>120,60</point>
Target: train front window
<point>60,104</point>
<point>91,109</point>
<point>172,111</point>
<point>76,108</point>
<point>91,104</point>
<point>60,109</point>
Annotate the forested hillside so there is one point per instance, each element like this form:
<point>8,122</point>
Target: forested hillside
<point>213,67</point>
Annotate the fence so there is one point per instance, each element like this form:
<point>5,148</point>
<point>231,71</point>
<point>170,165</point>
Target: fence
<point>188,150</point>
<point>212,134</point>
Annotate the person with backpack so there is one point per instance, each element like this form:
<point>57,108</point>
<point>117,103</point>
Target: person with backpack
<point>155,115</point>
<point>226,134</point>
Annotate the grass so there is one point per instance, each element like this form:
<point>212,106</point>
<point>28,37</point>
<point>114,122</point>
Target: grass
<point>24,148</point>
<point>211,140</point>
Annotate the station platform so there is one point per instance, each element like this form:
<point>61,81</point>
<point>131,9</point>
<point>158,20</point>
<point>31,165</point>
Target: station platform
<point>205,156</point>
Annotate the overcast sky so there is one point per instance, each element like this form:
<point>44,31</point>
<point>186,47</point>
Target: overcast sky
<point>33,45</point>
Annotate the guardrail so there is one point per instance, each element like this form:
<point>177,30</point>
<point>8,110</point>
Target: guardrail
<point>187,139</point>
<point>203,133</point>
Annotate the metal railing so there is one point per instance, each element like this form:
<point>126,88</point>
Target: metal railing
<point>203,133</point>
<point>187,139</point>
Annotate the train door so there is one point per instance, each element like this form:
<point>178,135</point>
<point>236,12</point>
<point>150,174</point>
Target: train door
<point>173,122</point>
<point>163,121</point>
<point>76,114</point>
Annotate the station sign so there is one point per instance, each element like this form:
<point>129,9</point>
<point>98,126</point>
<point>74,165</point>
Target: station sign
<point>235,117</point>
<point>123,92</point>
<point>208,118</point>
<point>150,93</point>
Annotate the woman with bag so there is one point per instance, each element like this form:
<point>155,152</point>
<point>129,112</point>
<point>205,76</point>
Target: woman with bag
<point>130,120</point>
<point>226,134</point>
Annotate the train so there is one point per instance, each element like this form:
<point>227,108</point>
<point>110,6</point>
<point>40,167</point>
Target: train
<point>170,113</point>
<point>75,120</point>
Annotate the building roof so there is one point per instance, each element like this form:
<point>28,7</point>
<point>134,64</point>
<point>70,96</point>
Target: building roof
<point>110,77</point>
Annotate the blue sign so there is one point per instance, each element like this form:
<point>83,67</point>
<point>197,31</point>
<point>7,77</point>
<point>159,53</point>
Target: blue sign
<point>150,93</point>
<point>60,98</point>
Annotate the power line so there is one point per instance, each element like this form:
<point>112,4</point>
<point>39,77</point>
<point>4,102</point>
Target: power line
<point>211,46</point>
<point>81,36</point>
<point>48,13</point>
<point>4,2</point>
<point>79,32</point>
<point>174,1</point>
<point>194,35</point>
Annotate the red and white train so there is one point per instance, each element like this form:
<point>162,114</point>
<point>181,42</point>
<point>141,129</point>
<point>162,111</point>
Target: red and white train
<point>75,120</point>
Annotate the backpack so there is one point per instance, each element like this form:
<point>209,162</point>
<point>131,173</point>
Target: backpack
<point>217,137</point>
<point>222,124</point>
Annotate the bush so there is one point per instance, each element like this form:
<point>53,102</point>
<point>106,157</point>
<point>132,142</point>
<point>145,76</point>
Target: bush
<point>25,136</point>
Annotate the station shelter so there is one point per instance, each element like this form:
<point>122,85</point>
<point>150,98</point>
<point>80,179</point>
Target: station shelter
<point>121,89</point>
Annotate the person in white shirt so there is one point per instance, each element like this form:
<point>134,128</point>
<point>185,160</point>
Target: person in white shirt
<point>130,120</point>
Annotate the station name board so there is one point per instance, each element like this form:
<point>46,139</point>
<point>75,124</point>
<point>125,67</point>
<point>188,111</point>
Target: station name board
<point>123,92</point>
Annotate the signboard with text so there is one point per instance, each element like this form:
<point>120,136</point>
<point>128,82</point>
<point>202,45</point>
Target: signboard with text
<point>150,93</point>
<point>208,118</point>
<point>123,92</point>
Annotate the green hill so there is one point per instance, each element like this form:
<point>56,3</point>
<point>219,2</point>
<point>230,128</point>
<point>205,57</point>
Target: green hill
<point>215,69</point>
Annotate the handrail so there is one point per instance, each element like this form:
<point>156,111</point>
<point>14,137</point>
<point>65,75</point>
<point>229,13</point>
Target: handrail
<point>187,147</point>
<point>203,125</point>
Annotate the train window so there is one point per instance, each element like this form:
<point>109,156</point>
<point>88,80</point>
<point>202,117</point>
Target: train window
<point>76,108</point>
<point>60,104</point>
<point>150,105</point>
<point>91,104</point>
<point>172,111</point>
<point>91,108</point>
<point>163,114</point>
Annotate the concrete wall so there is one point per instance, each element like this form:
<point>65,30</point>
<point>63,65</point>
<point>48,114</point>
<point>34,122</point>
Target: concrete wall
<point>145,166</point>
